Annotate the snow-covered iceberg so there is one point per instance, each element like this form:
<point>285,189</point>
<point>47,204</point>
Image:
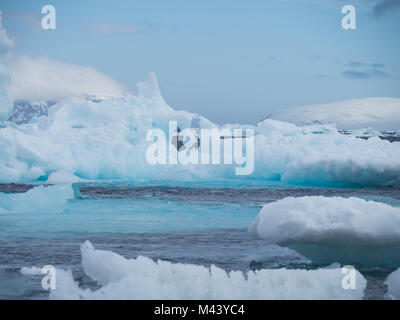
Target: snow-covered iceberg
<point>378,113</point>
<point>320,155</point>
<point>143,278</point>
<point>327,230</point>
<point>105,140</point>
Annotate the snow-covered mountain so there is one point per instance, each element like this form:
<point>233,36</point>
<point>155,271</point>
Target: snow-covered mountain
<point>378,113</point>
<point>24,110</point>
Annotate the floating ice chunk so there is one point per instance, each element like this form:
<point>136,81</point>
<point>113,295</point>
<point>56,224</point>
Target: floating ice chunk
<point>39,199</point>
<point>31,271</point>
<point>142,278</point>
<point>63,177</point>
<point>326,230</point>
<point>393,283</point>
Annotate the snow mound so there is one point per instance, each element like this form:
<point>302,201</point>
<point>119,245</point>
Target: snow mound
<point>142,278</point>
<point>327,230</point>
<point>378,113</point>
<point>39,199</point>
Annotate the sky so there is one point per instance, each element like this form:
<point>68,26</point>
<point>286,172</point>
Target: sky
<point>230,61</point>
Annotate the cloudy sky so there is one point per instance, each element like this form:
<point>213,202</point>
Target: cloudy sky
<point>231,61</point>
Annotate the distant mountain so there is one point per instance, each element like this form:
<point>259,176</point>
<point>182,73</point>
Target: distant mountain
<point>24,111</point>
<point>378,113</point>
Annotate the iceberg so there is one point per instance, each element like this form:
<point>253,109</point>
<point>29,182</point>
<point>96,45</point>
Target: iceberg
<point>39,199</point>
<point>393,283</point>
<point>143,278</point>
<point>327,230</point>
<point>106,140</point>
<point>320,155</point>
<point>63,177</point>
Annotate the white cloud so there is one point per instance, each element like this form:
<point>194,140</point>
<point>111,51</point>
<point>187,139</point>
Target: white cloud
<point>42,79</point>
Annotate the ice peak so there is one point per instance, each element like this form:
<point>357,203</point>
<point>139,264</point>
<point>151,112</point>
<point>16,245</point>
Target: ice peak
<point>149,89</point>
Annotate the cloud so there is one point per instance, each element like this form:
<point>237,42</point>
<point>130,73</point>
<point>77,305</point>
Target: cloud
<point>356,64</point>
<point>365,75</point>
<point>385,5</point>
<point>378,65</point>
<point>272,59</point>
<point>113,28</point>
<point>42,79</point>
<point>360,64</point>
<point>314,57</point>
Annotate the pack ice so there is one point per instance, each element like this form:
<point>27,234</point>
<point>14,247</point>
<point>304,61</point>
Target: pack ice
<point>143,278</point>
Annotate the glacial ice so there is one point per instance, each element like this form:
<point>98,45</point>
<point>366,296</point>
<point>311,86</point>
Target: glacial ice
<point>320,155</point>
<point>327,230</point>
<point>143,278</point>
<point>105,140</point>
<point>39,199</point>
<point>63,177</point>
<point>393,283</point>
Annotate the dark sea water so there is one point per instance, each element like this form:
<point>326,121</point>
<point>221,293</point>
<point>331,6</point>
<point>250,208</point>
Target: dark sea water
<point>202,226</point>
